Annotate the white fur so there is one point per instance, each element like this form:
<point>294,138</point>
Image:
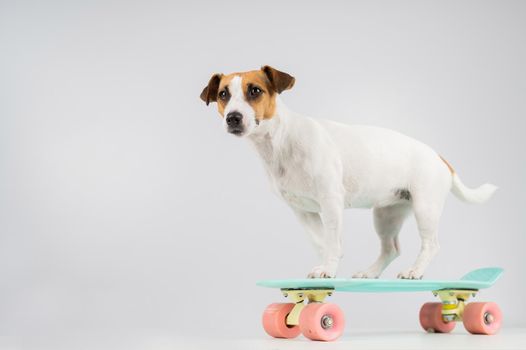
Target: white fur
<point>321,167</point>
<point>478,195</point>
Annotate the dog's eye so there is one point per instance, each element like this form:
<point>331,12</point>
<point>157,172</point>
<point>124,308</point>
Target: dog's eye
<point>254,91</point>
<point>222,94</point>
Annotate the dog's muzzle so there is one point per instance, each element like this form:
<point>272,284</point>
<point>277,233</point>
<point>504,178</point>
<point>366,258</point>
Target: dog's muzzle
<point>234,121</point>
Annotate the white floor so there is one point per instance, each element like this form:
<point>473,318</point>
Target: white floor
<point>507,339</point>
<point>407,340</point>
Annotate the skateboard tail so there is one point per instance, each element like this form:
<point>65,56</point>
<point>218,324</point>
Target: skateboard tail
<point>487,275</point>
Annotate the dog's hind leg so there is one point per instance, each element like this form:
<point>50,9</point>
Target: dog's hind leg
<point>387,222</point>
<point>428,204</point>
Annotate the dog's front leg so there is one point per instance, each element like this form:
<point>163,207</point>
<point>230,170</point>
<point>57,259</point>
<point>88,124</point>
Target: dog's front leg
<point>331,217</point>
<point>312,224</point>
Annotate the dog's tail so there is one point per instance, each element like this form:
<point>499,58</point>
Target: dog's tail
<point>477,195</point>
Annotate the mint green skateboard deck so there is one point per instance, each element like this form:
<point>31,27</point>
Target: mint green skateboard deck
<point>307,313</point>
<point>474,280</point>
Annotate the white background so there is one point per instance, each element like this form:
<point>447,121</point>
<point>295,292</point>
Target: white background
<point>125,207</point>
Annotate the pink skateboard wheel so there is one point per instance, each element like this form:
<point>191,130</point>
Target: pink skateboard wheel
<point>322,321</point>
<point>431,319</point>
<point>274,321</point>
<point>482,318</point>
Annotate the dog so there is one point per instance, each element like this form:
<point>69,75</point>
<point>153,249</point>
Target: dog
<point>320,167</point>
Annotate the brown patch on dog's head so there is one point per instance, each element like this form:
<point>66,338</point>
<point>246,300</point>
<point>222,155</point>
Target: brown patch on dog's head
<point>260,88</point>
<point>209,93</point>
<point>280,81</point>
<point>223,92</point>
<point>259,93</point>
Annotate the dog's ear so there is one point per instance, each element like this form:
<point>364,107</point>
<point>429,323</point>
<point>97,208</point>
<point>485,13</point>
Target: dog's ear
<point>209,93</point>
<point>280,81</point>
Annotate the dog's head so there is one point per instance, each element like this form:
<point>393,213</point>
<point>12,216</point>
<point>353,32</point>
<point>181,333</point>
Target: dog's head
<point>246,99</point>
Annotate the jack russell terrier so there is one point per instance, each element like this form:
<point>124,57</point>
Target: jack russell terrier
<point>321,167</point>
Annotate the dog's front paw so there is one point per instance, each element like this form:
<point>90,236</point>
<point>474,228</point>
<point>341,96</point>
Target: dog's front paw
<point>322,271</point>
<point>411,274</point>
<point>366,274</point>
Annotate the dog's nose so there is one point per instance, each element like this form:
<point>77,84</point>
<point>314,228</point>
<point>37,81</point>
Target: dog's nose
<point>233,119</point>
